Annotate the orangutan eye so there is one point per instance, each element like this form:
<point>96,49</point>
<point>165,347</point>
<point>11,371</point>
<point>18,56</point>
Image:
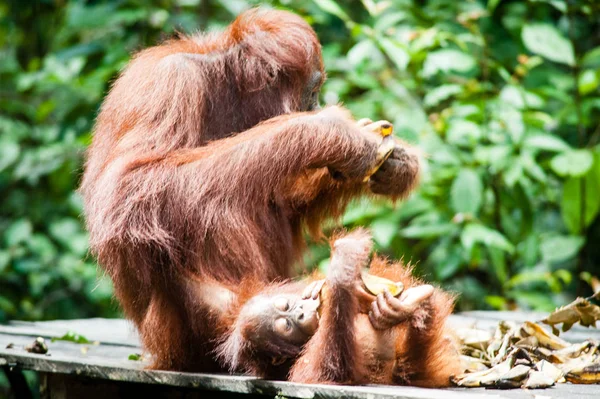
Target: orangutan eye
<point>282,304</point>
<point>283,327</point>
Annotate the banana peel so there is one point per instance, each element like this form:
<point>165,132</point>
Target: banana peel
<point>526,356</point>
<point>579,311</point>
<point>548,340</point>
<point>588,374</point>
<point>483,378</point>
<point>385,149</point>
<point>550,370</point>
<point>538,380</point>
<point>472,364</point>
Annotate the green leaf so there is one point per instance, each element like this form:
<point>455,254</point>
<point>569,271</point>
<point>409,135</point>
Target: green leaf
<point>572,163</point>
<point>6,305</point>
<point>135,357</point>
<point>496,156</point>
<point>571,204</point>
<point>588,81</point>
<point>591,59</point>
<point>441,93</point>
<point>361,212</point>
<point>448,60</point>
<point>477,233</point>
<point>463,132</point>
<point>10,153</point>
<point>397,54</point>
<point>513,174</point>
<point>466,194</point>
<point>389,20</point>
<point>496,302</point>
<point>428,231</point>
<point>533,299</point>
<point>364,51</point>
<point>498,260</point>
<point>446,259</point>
<point>519,98</point>
<point>560,248</point>
<point>332,7</point>
<point>547,41</point>
<point>18,232</point>
<point>560,5</point>
<point>492,4</point>
<point>4,260</point>
<point>531,167</point>
<point>64,229</point>
<point>546,142</point>
<point>513,121</point>
<point>42,247</point>
<point>384,231</point>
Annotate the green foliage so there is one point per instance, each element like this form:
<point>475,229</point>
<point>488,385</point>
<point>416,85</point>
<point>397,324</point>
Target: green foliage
<point>502,97</point>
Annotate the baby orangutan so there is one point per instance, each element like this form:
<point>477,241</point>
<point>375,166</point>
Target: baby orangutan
<point>334,331</point>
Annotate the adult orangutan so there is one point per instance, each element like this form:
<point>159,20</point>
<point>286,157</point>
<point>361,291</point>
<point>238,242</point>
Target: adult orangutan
<point>340,333</point>
<point>209,159</point>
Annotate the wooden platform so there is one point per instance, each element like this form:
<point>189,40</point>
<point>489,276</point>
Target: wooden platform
<point>103,370</point>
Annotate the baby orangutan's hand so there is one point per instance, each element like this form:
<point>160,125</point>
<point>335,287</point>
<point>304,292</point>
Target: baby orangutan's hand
<point>388,311</point>
<point>313,290</point>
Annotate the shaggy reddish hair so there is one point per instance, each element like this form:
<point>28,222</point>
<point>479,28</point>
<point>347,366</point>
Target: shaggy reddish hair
<point>202,172</point>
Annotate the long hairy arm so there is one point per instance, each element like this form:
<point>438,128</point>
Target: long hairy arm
<point>333,355</point>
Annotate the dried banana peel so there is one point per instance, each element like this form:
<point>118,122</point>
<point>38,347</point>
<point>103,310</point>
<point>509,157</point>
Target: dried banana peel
<point>483,378</point>
<point>548,340</point>
<point>528,356</point>
<point>472,365</point>
<point>550,370</point>
<point>579,311</point>
<point>538,380</point>
<point>589,374</point>
<point>474,338</point>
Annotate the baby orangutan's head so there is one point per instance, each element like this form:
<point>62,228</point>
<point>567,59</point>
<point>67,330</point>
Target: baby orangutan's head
<point>270,330</point>
<point>284,316</point>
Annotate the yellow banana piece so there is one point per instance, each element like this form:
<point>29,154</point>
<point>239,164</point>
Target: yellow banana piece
<point>387,130</point>
<point>376,285</point>
<point>585,375</point>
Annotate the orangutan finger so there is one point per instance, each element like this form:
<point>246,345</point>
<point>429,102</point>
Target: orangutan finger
<point>364,122</point>
<point>414,296</point>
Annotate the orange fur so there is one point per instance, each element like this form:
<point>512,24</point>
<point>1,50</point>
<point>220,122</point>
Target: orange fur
<point>194,179</point>
<point>346,349</point>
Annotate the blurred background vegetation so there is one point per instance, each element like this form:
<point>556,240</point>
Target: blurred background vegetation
<point>502,96</point>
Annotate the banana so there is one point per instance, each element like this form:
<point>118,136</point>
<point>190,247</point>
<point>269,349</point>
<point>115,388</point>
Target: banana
<point>376,285</point>
<point>585,375</point>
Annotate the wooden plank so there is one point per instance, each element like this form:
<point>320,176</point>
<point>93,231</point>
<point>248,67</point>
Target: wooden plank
<point>113,331</point>
<point>109,361</point>
<point>220,382</point>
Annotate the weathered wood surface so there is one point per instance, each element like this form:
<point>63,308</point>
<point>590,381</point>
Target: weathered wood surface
<point>109,361</point>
